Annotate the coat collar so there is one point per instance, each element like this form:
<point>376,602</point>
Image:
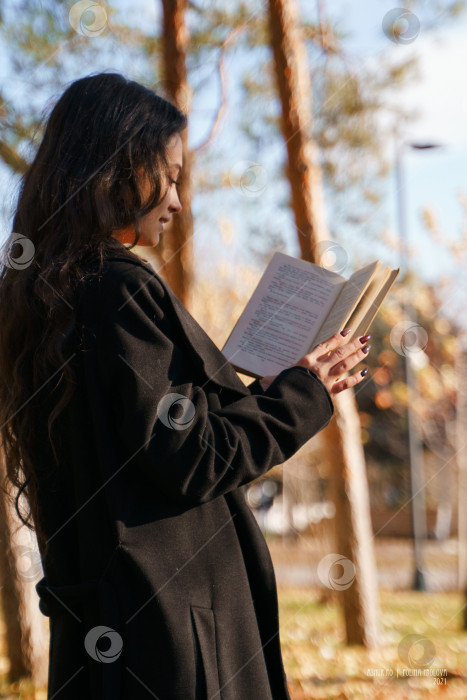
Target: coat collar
<point>212,361</point>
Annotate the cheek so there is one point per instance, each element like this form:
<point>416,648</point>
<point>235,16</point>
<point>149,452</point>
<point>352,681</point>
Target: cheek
<point>150,220</point>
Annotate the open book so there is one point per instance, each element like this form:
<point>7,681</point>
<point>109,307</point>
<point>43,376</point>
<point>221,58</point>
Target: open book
<point>296,305</point>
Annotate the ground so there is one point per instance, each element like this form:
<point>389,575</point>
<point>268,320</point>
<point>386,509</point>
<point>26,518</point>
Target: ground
<point>423,650</point>
<point>319,665</point>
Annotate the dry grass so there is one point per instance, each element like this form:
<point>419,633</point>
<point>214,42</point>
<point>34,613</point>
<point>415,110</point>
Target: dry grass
<point>319,665</point>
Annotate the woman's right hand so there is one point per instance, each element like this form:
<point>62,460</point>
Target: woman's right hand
<point>334,357</point>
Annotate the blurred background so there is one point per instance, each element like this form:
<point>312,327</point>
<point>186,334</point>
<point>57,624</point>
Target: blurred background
<point>334,132</point>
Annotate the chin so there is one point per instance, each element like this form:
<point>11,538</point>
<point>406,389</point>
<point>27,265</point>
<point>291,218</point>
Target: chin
<point>145,243</point>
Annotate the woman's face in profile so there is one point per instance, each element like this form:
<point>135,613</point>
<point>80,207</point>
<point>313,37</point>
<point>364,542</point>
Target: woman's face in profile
<point>152,224</point>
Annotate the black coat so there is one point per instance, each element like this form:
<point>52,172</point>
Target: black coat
<point>149,531</point>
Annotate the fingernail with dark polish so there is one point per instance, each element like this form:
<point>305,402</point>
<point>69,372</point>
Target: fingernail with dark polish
<point>364,371</point>
<point>346,332</point>
<point>364,338</point>
<point>366,348</point>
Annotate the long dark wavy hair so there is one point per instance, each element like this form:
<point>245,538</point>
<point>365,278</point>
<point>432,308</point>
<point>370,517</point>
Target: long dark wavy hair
<point>104,133</point>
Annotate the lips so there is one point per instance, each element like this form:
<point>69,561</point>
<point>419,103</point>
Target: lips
<point>163,221</point>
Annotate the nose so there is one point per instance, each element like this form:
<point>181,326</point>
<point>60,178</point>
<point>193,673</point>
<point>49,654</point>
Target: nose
<point>174,204</point>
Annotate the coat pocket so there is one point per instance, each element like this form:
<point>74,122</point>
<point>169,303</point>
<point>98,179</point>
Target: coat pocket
<point>204,638</point>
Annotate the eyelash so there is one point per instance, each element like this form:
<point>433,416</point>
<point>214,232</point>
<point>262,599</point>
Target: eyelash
<point>176,182</point>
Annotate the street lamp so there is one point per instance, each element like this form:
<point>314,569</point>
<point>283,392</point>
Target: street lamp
<point>415,443</point>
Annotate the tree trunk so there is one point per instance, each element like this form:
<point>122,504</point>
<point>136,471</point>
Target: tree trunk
<point>303,170</point>
<point>444,507</point>
<point>353,530</point>
<point>26,628</point>
<point>177,240</point>
<point>461,459</point>
<point>343,447</point>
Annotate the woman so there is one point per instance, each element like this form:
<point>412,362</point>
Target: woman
<point>128,431</point>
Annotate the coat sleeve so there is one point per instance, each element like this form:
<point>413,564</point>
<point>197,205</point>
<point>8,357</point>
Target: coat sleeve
<point>191,454</point>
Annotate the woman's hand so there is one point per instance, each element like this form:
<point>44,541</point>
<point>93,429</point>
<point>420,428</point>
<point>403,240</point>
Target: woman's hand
<point>331,359</point>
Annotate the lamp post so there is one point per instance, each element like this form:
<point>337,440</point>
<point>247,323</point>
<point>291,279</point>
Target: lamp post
<point>415,443</point>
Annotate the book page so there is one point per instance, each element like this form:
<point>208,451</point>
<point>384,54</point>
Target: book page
<point>345,303</point>
<point>291,300</point>
<point>367,300</point>
<point>376,298</point>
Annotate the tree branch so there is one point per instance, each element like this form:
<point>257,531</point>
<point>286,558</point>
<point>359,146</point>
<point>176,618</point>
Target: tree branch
<point>11,158</point>
<point>223,104</point>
